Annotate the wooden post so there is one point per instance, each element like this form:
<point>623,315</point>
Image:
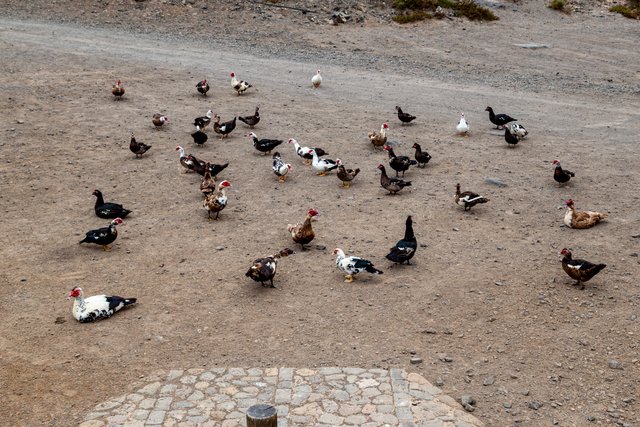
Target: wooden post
<point>262,415</point>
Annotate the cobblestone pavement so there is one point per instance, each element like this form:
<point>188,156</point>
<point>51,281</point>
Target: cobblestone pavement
<point>303,397</point>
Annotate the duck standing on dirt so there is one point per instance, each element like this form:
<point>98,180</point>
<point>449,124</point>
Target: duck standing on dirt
<point>280,168</point>
<point>346,175</point>
<point>118,90</point>
<point>240,86</point>
<point>264,145</point>
<point>203,121</point>
<point>103,236</point>
<point>251,121</point>
<point>108,210</point>
<point>399,163</point>
<point>199,137</point>
<point>159,120</point>
<point>379,139</point>
<point>323,166</point>
<point>138,148</point>
<point>468,198</point>
<point>422,157</point>
<point>316,80</point>
<point>216,201</point>
<point>510,138</point>
<point>203,87</point>
<point>404,117</point>
<point>579,269</point>
<point>499,119</point>
<point>462,128</point>
<point>225,128</point>
<point>353,265</point>
<point>302,233</point>
<point>264,269</point>
<point>405,249</point>
<point>561,176</point>
<point>393,185</point>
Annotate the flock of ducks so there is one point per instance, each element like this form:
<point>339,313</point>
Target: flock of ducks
<point>264,269</point>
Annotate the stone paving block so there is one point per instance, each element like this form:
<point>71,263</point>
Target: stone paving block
<point>385,418</point>
<point>355,420</point>
<point>283,396</point>
<point>384,409</point>
<point>140,414</point>
<point>189,379</point>
<point>150,389</point>
<point>246,403</point>
<point>329,371</point>
<point>156,417</point>
<point>164,403</point>
<point>340,395</point>
<point>404,413</point>
<point>92,423</point>
<point>255,372</point>
<point>177,414</point>
<point>207,376</point>
<point>134,397</point>
<point>397,374</point>
<point>183,404</point>
<point>166,389</point>
<point>285,374</point>
<point>174,374</point>
<point>201,385</point>
<point>331,419</point>
<point>95,415</point>
<point>116,419</point>
<point>147,403</point>
<point>330,406</point>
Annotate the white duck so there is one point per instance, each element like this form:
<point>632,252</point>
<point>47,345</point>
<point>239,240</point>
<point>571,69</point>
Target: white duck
<point>518,130</point>
<point>316,80</point>
<point>322,165</point>
<point>97,306</point>
<point>463,127</point>
<point>280,168</point>
<point>239,86</point>
<point>353,265</point>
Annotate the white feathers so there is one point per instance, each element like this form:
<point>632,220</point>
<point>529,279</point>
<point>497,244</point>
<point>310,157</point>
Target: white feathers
<point>316,80</point>
<point>518,130</point>
<point>568,217</point>
<point>462,127</point>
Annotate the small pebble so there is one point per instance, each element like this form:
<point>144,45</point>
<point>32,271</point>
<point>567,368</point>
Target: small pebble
<point>614,364</point>
<point>219,248</point>
<point>468,403</point>
<point>415,360</point>
<point>488,381</point>
<point>534,405</point>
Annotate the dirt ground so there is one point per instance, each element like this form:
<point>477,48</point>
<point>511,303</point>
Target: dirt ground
<point>486,296</point>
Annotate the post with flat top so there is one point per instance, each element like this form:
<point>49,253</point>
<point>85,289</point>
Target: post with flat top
<point>262,415</point>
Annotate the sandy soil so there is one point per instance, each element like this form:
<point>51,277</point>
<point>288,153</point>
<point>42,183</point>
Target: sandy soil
<point>487,291</point>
